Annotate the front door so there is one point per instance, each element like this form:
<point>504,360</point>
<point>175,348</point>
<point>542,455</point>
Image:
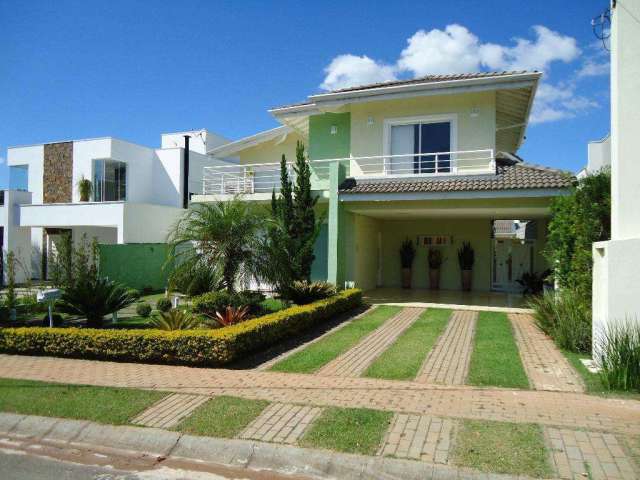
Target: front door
<point>511,259</point>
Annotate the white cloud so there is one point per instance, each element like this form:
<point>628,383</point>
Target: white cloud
<point>558,102</point>
<point>591,68</point>
<point>350,70</point>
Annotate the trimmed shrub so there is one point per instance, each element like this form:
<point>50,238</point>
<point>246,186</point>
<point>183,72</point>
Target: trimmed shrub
<point>143,309</point>
<point>211,303</point>
<point>212,347</point>
<point>163,305</point>
<point>302,293</point>
<point>134,293</point>
<point>566,317</point>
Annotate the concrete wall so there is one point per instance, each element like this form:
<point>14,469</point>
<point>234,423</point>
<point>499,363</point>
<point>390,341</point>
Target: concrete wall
<point>473,133</point>
<point>135,265</point>
<point>16,239</point>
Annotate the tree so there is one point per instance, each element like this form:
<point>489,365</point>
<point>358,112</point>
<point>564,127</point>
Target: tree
<point>220,236</point>
<point>293,227</point>
<point>578,220</point>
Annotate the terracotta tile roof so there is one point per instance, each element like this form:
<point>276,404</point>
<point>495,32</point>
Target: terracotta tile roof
<point>425,79</point>
<point>517,176</point>
<point>433,79</point>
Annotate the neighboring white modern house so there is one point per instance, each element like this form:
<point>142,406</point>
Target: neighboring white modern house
<point>138,192</point>
<point>598,155</point>
<point>616,282</point>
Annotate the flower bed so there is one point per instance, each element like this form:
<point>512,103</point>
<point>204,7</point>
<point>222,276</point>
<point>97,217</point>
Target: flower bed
<point>187,347</point>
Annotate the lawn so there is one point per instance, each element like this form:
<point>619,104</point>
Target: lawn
<point>500,447</point>
<point>222,417</point>
<point>99,404</point>
<point>403,359</point>
<point>323,351</point>
<point>351,430</point>
<point>495,360</point>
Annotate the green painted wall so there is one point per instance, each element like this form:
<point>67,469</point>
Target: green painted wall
<point>321,252</point>
<point>136,265</point>
<point>322,144</point>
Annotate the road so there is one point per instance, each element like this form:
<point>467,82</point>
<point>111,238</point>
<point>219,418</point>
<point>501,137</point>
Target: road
<point>21,465</point>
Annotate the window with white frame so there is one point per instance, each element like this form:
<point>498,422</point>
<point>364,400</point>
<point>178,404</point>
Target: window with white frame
<point>421,145</point>
<point>109,181</point>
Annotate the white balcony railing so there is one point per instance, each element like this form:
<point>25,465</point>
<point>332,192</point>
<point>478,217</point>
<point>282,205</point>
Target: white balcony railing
<point>265,177</point>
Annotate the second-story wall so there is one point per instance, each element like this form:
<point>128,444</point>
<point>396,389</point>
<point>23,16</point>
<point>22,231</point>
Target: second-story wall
<point>272,151</point>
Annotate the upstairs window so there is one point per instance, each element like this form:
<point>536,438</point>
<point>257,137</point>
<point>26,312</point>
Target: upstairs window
<point>109,181</point>
<point>19,177</point>
<point>418,142</point>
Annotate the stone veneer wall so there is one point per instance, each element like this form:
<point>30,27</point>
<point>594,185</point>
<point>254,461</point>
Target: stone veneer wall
<point>57,178</point>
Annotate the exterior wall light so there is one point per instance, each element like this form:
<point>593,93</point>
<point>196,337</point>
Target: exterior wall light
<point>369,120</point>
<point>334,129</point>
<point>475,112</point>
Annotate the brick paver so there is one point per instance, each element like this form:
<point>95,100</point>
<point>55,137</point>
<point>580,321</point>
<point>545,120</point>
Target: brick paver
<point>567,409</point>
<point>419,437</point>
<point>593,455</point>
<point>356,360</point>
<point>169,411</point>
<point>281,423</point>
<point>448,361</point>
<point>545,365</point>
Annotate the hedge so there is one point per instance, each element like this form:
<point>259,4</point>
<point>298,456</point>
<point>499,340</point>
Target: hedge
<point>183,347</point>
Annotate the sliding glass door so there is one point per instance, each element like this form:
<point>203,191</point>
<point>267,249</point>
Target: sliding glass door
<point>109,181</point>
<point>416,142</point>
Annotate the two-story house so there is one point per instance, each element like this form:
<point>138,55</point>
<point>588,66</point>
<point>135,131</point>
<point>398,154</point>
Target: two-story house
<point>432,159</point>
<point>138,193</point>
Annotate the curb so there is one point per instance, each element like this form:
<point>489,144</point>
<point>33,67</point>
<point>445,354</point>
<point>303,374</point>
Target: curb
<point>252,455</point>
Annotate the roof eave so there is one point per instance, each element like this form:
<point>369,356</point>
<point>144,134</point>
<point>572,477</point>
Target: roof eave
<point>250,141</point>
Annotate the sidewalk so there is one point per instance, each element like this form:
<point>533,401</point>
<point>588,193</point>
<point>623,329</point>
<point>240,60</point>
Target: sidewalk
<point>573,410</point>
<point>33,434</point>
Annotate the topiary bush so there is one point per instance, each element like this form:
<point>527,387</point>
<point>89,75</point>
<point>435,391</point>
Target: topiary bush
<point>143,309</point>
<point>163,305</point>
<point>210,347</point>
<point>134,293</point>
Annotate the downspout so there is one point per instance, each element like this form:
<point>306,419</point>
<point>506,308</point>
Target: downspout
<point>185,181</point>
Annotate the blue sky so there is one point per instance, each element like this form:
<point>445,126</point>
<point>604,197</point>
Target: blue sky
<point>81,69</point>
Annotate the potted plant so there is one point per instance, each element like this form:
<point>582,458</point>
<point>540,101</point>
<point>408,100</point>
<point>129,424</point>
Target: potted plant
<point>435,260</point>
<point>85,187</point>
<point>466,257</point>
<point>407,254</point>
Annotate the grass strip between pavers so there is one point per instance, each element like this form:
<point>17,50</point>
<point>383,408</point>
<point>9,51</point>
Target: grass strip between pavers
<point>495,360</point>
<point>114,406</point>
<point>403,359</point>
<point>222,416</point>
<point>501,447</point>
<point>350,430</point>
<point>317,354</point>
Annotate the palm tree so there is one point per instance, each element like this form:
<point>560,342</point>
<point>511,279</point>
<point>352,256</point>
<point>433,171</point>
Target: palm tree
<point>95,298</point>
<point>221,236</point>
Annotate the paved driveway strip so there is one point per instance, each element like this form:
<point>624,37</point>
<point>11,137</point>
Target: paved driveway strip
<point>545,365</point>
<point>573,410</point>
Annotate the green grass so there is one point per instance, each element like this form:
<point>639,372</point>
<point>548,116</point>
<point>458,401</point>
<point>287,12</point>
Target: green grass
<point>222,417</point>
<point>403,359</point>
<point>310,359</point>
<point>270,305</point>
<point>500,447</point>
<point>99,404</point>
<point>130,322</point>
<point>351,430</point>
<point>495,360</point>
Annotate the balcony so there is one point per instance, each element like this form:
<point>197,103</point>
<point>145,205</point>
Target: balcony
<point>264,178</point>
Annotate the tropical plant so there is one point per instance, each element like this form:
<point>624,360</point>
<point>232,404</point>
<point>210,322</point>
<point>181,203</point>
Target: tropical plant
<point>221,236</point>
<point>231,316</point>
<point>435,258</point>
<point>143,309</point>
<point>175,319</point>
<point>565,316</point>
<point>533,283</point>
<point>93,299</point>
<point>578,220</point>
<point>163,305</point>
<point>619,356</point>
<point>212,302</point>
<point>194,282</point>
<point>85,188</point>
<point>292,229</point>
<point>466,256</point>
<point>302,293</point>
<point>407,253</point>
